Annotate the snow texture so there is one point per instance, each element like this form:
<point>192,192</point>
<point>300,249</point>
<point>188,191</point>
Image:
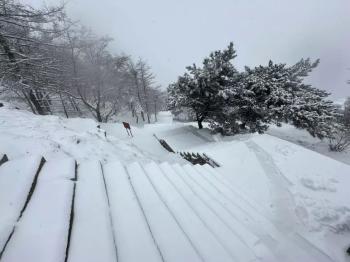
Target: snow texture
<point>92,234</point>
<point>41,234</point>
<point>131,229</point>
<point>16,178</point>
<point>270,199</point>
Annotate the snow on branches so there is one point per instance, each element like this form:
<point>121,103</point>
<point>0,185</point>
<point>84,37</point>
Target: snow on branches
<point>235,102</point>
<point>56,66</point>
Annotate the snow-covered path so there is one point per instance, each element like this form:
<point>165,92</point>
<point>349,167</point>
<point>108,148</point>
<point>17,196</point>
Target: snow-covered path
<point>282,198</point>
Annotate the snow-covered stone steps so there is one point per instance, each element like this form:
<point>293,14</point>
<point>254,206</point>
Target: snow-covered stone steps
<point>169,230</point>
<point>17,183</point>
<point>92,232</point>
<point>135,212</point>
<point>233,240</point>
<point>230,238</point>
<point>236,220</point>
<point>133,236</point>
<point>278,241</point>
<point>42,230</point>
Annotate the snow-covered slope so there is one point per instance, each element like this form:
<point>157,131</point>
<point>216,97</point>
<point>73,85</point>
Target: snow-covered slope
<point>23,134</point>
<point>303,138</point>
<point>271,200</point>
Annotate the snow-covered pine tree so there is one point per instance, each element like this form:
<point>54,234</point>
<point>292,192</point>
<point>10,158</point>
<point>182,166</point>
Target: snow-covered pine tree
<point>255,99</point>
<point>199,88</point>
<point>275,94</point>
<point>310,109</point>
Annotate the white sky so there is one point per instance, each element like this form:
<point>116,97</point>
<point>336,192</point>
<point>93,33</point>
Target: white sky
<point>171,34</point>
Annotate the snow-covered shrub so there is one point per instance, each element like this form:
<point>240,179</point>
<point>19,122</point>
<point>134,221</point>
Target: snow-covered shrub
<point>340,138</point>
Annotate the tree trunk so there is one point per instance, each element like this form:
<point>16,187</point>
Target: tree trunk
<point>138,91</point>
<point>64,106</point>
<point>155,112</point>
<point>43,101</point>
<point>75,105</point>
<point>31,99</point>
<point>132,109</point>
<point>28,101</point>
<point>98,116</point>
<point>7,49</point>
<point>199,121</point>
<point>147,107</point>
<point>148,118</point>
<point>36,103</point>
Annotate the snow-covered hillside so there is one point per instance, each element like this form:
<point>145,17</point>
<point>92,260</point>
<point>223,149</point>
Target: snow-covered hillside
<point>303,138</point>
<point>271,200</point>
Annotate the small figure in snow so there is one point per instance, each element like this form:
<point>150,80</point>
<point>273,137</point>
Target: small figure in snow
<point>128,128</point>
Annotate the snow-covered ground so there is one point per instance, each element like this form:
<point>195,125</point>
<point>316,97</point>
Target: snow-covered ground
<point>303,138</point>
<point>25,134</point>
<point>271,200</point>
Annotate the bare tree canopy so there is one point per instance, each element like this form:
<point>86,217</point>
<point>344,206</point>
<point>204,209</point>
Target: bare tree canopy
<point>55,65</point>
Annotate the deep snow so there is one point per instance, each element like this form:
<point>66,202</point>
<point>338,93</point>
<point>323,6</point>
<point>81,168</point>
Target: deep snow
<point>289,202</point>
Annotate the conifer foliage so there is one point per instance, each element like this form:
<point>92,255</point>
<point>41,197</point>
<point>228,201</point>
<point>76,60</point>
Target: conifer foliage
<point>238,102</point>
<point>200,88</point>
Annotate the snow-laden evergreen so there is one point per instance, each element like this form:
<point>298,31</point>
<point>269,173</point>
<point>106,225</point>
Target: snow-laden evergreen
<point>201,89</point>
<point>249,101</point>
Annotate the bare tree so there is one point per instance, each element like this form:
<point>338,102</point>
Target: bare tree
<point>144,91</point>
<point>101,90</point>
<point>136,88</point>
<point>147,80</point>
<point>56,66</point>
<point>26,35</point>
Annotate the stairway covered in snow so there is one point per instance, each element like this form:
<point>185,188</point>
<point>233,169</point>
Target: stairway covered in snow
<point>58,210</point>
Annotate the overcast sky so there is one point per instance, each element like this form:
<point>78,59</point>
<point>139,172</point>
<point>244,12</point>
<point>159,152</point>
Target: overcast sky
<point>171,34</point>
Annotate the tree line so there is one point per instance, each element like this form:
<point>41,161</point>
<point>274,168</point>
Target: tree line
<point>235,102</point>
<point>57,66</point>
